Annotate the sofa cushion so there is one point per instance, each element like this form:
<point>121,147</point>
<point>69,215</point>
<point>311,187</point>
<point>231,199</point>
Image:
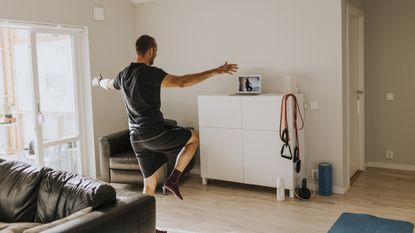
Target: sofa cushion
<point>125,161</point>
<point>44,227</point>
<point>19,184</point>
<point>62,194</point>
<point>127,177</point>
<point>16,227</point>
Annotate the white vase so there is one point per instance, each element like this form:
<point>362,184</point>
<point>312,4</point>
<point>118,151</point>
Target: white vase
<point>280,189</point>
<point>290,84</point>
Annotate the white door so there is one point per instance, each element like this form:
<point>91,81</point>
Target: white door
<point>56,101</point>
<point>355,61</point>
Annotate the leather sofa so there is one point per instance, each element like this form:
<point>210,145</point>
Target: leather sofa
<point>119,164</point>
<point>43,195</point>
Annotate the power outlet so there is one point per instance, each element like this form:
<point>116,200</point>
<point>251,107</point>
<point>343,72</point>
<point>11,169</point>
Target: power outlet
<point>314,175</point>
<point>389,154</point>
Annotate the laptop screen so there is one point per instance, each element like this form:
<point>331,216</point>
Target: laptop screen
<point>249,84</point>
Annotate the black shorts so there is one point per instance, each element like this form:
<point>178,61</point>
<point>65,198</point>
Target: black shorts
<point>152,153</point>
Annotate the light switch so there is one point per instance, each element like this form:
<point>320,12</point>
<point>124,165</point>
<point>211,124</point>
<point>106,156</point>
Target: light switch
<point>314,105</point>
<point>390,96</point>
<point>99,13</point>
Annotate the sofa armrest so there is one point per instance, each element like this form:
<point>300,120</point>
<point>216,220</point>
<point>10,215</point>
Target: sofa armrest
<point>108,146</point>
<point>136,214</point>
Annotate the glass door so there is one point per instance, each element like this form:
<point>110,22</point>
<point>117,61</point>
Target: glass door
<point>56,104</point>
<point>17,129</point>
<point>40,110</point>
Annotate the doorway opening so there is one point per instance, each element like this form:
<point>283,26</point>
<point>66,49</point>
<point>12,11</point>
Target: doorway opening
<point>355,93</point>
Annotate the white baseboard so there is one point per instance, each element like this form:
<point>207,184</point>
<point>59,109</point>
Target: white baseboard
<point>339,190</point>
<point>312,186</point>
<point>391,166</point>
<point>335,189</point>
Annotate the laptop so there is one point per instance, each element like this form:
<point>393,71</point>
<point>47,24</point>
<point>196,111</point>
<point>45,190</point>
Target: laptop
<point>249,85</point>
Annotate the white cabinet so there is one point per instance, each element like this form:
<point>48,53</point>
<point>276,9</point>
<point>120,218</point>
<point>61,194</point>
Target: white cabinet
<point>239,141</point>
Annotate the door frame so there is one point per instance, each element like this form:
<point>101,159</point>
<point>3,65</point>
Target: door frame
<point>351,10</point>
<point>41,144</point>
<point>82,88</point>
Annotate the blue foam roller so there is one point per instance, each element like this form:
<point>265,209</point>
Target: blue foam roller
<point>325,179</point>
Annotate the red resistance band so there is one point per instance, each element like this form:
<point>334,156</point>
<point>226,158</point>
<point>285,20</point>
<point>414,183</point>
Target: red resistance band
<point>284,132</point>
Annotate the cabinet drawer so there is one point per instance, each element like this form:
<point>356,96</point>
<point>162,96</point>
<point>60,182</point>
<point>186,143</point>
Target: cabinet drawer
<point>220,111</point>
<point>221,154</point>
<point>261,112</point>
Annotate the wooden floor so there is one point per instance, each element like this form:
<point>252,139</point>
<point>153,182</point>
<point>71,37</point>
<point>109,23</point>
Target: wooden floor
<point>229,207</point>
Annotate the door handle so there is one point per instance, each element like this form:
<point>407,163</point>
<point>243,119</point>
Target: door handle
<point>40,116</point>
<point>359,93</point>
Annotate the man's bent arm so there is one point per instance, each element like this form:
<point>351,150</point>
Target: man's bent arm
<point>193,79</point>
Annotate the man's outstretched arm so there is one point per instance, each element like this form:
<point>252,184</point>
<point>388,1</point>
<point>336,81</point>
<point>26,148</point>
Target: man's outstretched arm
<point>192,79</point>
<point>107,84</point>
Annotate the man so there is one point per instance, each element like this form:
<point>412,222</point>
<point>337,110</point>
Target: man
<point>248,85</point>
<point>151,139</point>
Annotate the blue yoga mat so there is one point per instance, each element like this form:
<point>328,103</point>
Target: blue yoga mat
<point>364,223</point>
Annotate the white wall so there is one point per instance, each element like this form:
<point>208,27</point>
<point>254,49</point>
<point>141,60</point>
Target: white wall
<point>111,46</point>
<point>390,68</point>
<point>267,37</point>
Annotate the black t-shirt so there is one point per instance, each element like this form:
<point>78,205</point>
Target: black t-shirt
<point>141,85</point>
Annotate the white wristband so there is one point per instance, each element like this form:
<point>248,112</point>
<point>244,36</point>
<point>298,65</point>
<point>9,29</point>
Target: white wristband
<point>104,83</point>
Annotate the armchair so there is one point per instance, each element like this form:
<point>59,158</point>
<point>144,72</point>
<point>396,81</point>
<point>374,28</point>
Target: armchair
<point>119,164</point>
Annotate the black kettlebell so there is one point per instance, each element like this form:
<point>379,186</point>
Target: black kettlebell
<point>304,192</point>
